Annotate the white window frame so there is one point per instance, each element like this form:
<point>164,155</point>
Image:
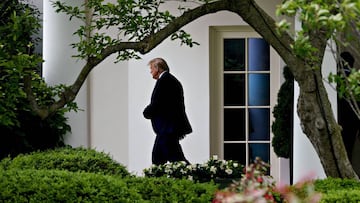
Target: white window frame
<point>217,36</point>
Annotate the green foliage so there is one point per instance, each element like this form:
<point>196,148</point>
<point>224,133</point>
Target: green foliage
<point>18,24</point>
<point>338,190</point>
<point>85,175</point>
<point>184,37</point>
<point>70,159</point>
<point>172,190</point>
<point>325,18</point>
<point>32,134</point>
<point>330,184</point>
<point>63,186</point>
<point>341,196</point>
<point>283,114</point>
<point>21,129</point>
<point>347,87</point>
<point>134,20</point>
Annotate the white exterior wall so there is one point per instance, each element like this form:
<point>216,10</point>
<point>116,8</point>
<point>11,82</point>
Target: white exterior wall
<point>116,94</point>
<point>109,109</point>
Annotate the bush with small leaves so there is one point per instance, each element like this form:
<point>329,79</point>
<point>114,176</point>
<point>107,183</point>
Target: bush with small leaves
<point>67,158</point>
<point>164,189</point>
<point>338,190</point>
<point>63,186</point>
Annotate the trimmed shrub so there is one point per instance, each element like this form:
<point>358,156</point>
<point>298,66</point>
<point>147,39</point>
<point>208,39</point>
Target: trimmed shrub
<point>64,186</point>
<point>172,190</point>
<point>341,196</point>
<point>70,159</point>
<point>338,190</point>
<point>283,114</point>
<point>325,185</point>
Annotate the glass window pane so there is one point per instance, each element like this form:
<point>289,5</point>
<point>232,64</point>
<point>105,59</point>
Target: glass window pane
<point>234,89</point>
<point>234,124</point>
<point>261,150</point>
<point>235,152</point>
<point>259,89</point>
<point>259,124</point>
<point>234,54</point>
<point>259,55</point>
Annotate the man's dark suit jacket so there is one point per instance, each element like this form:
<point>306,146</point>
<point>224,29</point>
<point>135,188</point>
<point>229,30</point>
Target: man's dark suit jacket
<point>166,109</point>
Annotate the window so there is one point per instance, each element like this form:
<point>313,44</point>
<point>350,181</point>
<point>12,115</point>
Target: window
<point>243,84</point>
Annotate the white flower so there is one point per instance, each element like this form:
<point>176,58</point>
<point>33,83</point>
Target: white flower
<point>190,178</point>
<point>215,157</point>
<point>168,168</point>
<point>182,171</point>
<point>235,165</point>
<point>176,165</point>
<point>229,171</point>
<point>223,164</point>
<point>213,169</point>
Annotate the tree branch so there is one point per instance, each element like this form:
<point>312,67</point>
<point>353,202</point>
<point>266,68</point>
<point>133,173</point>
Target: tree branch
<point>40,111</point>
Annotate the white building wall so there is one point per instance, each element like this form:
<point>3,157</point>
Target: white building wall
<point>109,109</point>
<point>116,94</point>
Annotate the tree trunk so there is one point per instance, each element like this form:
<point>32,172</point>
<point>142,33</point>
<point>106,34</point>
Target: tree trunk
<point>319,125</point>
<point>314,108</point>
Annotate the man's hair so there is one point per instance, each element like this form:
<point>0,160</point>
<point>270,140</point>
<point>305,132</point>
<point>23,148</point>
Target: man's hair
<point>160,63</point>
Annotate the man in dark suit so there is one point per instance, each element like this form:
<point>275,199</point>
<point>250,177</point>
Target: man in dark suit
<point>167,113</point>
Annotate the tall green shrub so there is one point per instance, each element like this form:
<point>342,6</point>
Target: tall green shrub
<point>283,113</point>
<point>21,130</point>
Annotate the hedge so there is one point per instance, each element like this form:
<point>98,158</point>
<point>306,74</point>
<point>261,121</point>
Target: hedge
<point>70,159</point>
<point>63,186</point>
<point>164,189</point>
<point>338,190</point>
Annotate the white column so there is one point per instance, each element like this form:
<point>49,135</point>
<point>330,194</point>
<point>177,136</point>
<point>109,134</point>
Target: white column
<point>61,68</point>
